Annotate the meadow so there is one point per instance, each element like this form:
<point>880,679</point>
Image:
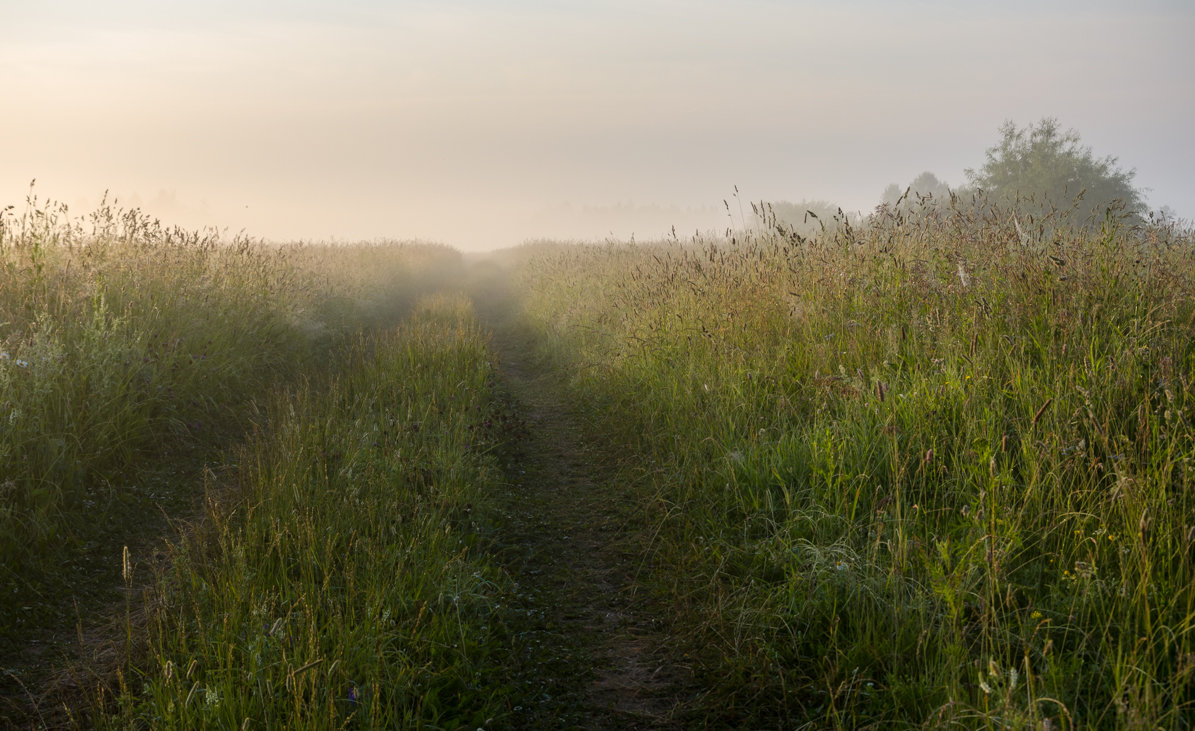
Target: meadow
<point>342,589</point>
<point>136,361</point>
<point>932,469</point>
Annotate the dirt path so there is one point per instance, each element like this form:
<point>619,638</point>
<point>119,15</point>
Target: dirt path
<point>593,656</point>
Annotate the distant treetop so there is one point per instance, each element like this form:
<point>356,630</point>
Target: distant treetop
<point>925,185</point>
<point>1045,169</point>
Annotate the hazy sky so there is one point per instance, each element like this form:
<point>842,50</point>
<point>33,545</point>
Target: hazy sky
<point>484,123</point>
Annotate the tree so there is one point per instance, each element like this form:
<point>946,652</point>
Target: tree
<point>924,185</point>
<point>1043,169</point>
<point>808,217</point>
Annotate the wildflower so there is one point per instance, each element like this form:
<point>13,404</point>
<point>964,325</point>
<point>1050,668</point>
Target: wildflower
<point>22,363</point>
<point>3,355</point>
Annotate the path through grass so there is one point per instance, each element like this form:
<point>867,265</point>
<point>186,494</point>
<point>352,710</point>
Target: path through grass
<point>592,654</point>
<point>517,606</point>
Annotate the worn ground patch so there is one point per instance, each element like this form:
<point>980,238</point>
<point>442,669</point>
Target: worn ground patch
<point>592,655</point>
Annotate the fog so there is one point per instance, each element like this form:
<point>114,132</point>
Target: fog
<point>485,124</point>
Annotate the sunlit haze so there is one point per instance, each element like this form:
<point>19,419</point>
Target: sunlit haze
<point>482,124</point>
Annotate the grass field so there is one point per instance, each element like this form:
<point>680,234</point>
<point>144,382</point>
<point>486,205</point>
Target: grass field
<point>341,587</point>
<point>132,356</point>
<point>934,470</point>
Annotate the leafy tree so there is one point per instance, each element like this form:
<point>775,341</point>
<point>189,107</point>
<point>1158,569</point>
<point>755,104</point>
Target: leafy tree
<point>807,217</point>
<point>924,185</point>
<point>1041,168</point>
<point>891,194</point>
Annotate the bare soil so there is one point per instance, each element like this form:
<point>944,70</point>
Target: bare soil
<point>593,655</point>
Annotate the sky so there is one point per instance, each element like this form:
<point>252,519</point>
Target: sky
<point>484,124</point>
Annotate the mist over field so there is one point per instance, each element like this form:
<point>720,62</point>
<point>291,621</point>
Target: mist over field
<point>613,365</point>
<point>484,124</point>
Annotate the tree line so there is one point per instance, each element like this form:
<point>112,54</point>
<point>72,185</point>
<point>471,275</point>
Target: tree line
<point>1041,171</point>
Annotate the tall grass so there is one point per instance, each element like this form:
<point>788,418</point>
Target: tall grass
<point>340,587</point>
<point>125,343</point>
<point>934,470</point>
